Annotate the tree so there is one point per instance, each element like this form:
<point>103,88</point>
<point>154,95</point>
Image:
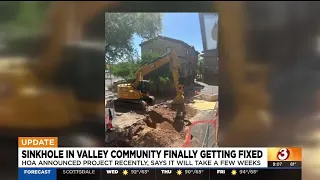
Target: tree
<point>147,58</point>
<point>120,29</point>
<point>125,70</point>
<point>20,26</point>
<point>200,67</point>
<point>9,11</point>
<point>22,18</point>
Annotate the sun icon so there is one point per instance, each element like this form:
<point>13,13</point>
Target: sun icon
<point>233,172</point>
<point>125,172</point>
<point>179,172</point>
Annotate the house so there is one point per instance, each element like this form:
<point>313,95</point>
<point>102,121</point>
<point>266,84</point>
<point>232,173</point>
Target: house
<point>186,53</point>
<point>210,67</point>
<point>209,33</point>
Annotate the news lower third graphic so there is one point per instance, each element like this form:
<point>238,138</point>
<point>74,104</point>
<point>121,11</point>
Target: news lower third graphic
<point>41,158</point>
<point>165,174</point>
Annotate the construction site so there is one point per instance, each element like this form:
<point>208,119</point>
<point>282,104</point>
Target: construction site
<point>158,99</point>
<point>159,126</point>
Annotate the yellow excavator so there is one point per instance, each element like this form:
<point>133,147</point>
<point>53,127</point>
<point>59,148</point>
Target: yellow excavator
<point>136,94</point>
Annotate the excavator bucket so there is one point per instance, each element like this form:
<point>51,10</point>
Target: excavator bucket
<point>179,99</point>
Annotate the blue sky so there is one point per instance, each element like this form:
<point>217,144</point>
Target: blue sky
<point>182,26</point>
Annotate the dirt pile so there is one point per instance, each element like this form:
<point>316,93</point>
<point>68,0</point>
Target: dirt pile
<point>159,128</point>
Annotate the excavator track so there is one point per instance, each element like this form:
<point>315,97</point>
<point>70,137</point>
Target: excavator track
<point>130,104</point>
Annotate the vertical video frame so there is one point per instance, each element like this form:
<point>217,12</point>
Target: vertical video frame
<point>161,80</point>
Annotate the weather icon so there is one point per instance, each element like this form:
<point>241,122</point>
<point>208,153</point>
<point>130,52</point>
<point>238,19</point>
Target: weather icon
<point>125,172</point>
<point>233,172</point>
<point>179,172</point>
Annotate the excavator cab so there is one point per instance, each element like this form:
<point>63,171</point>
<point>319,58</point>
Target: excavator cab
<point>144,86</point>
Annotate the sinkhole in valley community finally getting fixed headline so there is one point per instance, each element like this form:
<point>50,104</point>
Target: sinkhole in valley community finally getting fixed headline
<point>134,153</point>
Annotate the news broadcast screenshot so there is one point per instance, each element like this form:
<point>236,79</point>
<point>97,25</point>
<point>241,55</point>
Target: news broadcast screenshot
<point>41,158</point>
<point>160,90</point>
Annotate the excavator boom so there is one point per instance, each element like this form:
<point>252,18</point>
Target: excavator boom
<point>174,63</point>
<point>169,57</point>
<point>137,93</point>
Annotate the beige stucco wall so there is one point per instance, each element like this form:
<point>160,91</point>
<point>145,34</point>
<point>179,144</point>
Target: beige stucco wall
<point>210,67</point>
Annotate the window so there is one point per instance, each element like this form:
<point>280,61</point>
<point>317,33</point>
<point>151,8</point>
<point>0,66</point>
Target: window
<point>168,49</point>
<point>188,53</point>
<point>211,69</point>
<point>206,69</point>
<point>151,50</point>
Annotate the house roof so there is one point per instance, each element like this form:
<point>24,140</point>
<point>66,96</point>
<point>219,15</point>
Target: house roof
<point>168,39</point>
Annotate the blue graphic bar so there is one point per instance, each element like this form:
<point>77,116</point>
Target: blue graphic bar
<point>37,174</point>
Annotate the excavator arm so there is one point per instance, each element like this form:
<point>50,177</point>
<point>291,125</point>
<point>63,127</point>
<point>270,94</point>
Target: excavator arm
<point>174,63</point>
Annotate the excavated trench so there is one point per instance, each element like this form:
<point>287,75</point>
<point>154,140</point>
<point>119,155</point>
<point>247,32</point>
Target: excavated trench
<point>158,128</point>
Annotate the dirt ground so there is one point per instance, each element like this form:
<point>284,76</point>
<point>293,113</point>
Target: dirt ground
<point>158,127</point>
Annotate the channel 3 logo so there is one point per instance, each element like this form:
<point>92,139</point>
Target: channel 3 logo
<point>283,154</point>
